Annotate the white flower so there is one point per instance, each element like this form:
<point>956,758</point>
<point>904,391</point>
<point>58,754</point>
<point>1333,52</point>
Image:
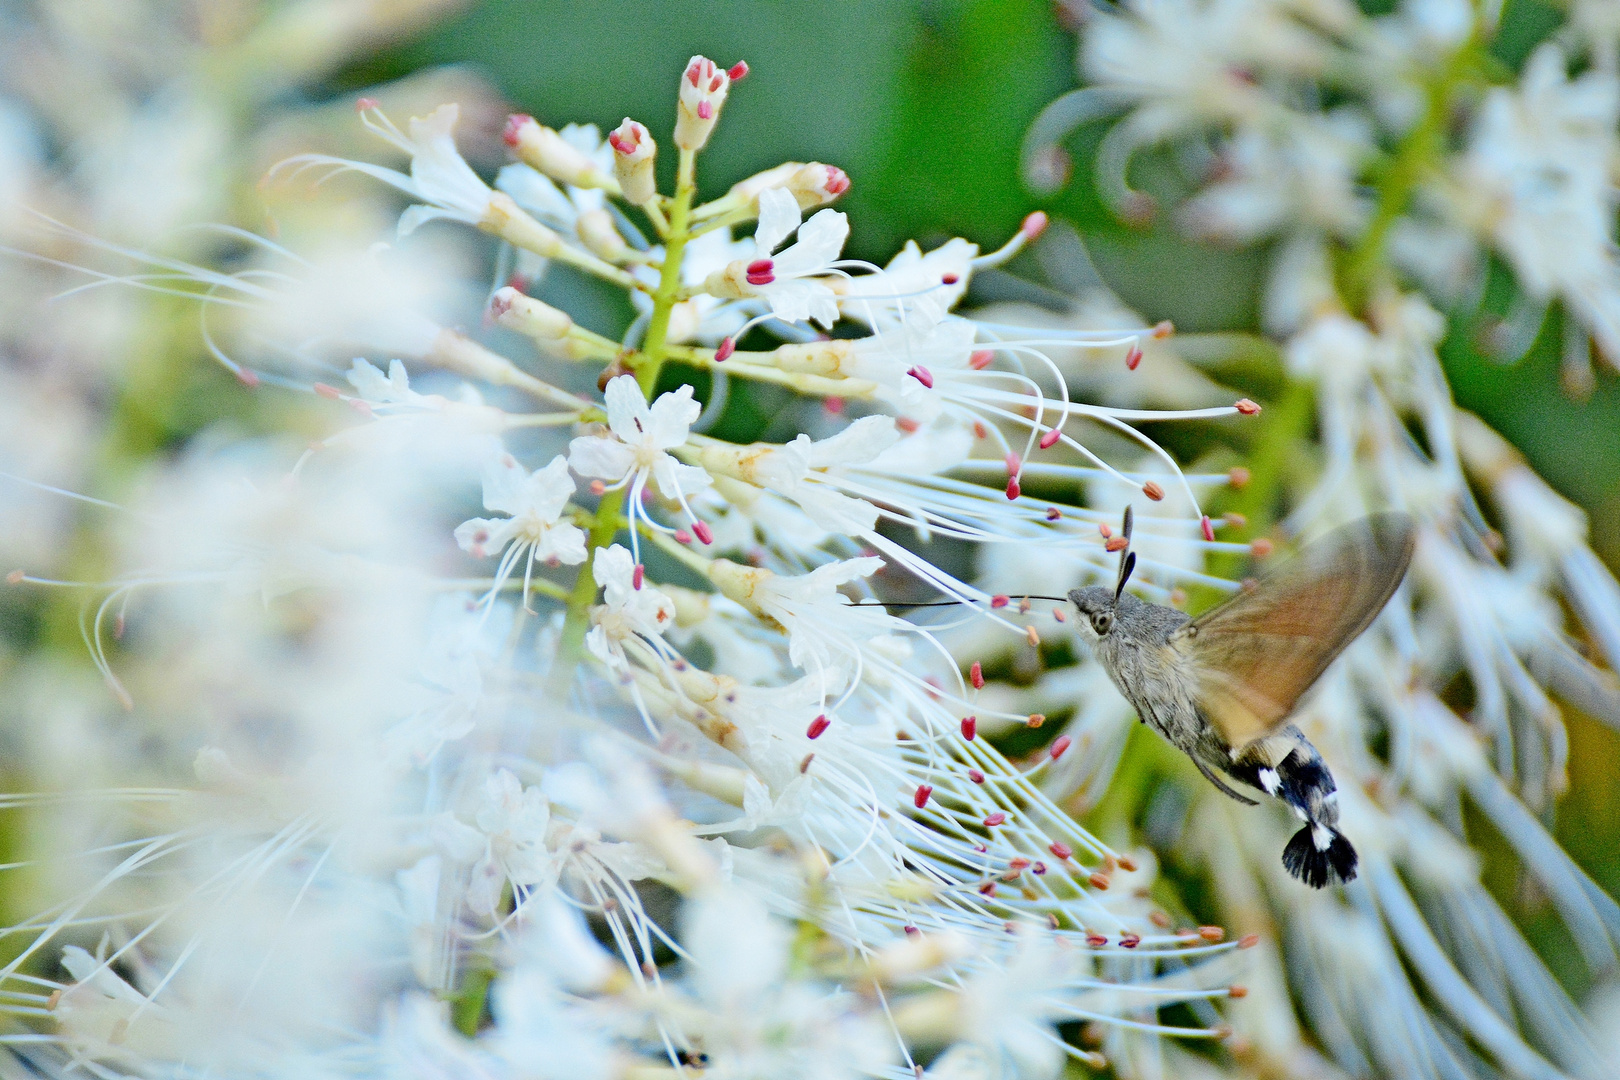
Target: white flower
<point>787,279</point>
<point>535,502</point>
<point>439,176</point>
<point>821,621</point>
<point>513,820</point>
<point>638,449</point>
<point>914,288</point>
<point>802,471</point>
<point>630,607</point>
<point>1537,178</point>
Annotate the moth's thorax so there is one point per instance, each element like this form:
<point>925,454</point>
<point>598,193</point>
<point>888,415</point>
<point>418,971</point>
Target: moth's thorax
<point>1143,663</point>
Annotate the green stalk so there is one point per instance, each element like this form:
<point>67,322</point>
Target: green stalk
<point>647,363</point>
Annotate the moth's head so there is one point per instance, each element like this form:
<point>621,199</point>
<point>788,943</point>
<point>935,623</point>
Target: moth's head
<point>1097,607</point>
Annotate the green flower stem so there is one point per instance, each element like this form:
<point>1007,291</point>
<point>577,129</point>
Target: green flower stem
<point>650,360</point>
<point>646,363</point>
<point>1418,156</point>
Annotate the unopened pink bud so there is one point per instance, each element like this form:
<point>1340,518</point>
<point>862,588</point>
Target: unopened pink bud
<point>723,353</point>
<point>970,727</point>
<point>1060,746</point>
<point>921,796</point>
<point>705,110</point>
<point>704,533</point>
<point>1133,358</point>
<point>738,71</point>
<point>1013,489</point>
<point>514,127</point>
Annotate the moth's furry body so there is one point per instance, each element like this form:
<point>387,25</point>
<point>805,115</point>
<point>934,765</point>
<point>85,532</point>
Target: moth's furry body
<point>1145,656</point>
<point>1221,687</point>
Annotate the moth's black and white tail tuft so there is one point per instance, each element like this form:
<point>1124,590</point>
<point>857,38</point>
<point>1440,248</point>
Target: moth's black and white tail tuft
<point>1320,856</point>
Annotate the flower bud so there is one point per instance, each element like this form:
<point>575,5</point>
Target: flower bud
<point>601,236</point>
<point>817,185</point>
<point>545,151</point>
<point>703,93</point>
<point>634,152</point>
<point>528,316</point>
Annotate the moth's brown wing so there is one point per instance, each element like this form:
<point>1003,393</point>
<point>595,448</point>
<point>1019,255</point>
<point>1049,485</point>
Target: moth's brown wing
<point>1256,655</point>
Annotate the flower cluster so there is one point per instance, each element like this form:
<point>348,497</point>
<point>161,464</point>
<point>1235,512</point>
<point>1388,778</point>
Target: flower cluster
<point>1329,133</point>
<point>683,793</point>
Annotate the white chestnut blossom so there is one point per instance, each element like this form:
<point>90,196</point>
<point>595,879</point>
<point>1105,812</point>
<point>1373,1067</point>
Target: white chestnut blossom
<point>789,279</point>
<point>636,449</point>
<point>535,503</point>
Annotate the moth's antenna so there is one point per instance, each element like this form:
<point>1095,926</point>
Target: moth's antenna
<point>1127,557</point>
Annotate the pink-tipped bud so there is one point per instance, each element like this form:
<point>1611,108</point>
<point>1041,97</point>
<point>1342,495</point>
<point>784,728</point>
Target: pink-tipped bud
<point>704,533</point>
<point>999,601</point>
<point>540,321</point>
<point>976,676</point>
<point>637,576</point>
<point>1060,746</point>
<point>1013,489</point>
<point>922,375</point>
<point>976,776</point>
<point>682,536</point>
<point>514,127</point>
<point>1208,528</point>
<point>1050,439</point>
<point>981,359</point>
<point>1060,849</point>
<point>703,92</point>
<point>1153,491</point>
<point>547,152</point>
<point>1133,358</point>
<point>970,727</point>
<point>738,71</point>
<point>1034,225</point>
<point>995,819</point>
<point>1246,407</point>
<point>817,184</point>
<point>920,798</point>
<point>634,154</point>
<point>817,726</point>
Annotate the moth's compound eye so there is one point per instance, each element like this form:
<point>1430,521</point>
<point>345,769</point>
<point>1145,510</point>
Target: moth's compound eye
<point>1102,622</point>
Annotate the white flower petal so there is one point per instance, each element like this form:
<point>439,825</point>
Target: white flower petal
<point>626,408</point>
<point>671,418</point>
<point>779,215</point>
<point>599,457</point>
